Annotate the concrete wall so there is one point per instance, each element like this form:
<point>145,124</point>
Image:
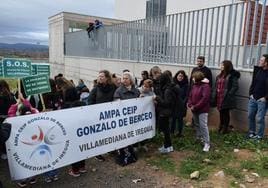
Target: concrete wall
<point>134,10</point>
<point>130,10</point>
<point>175,6</point>
<point>58,27</point>
<point>87,69</point>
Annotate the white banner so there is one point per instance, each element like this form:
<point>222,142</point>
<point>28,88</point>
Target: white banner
<point>41,142</point>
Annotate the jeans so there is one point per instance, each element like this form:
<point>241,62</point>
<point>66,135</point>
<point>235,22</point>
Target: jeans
<point>201,126</point>
<point>258,108</point>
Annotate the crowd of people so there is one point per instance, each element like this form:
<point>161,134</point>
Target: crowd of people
<point>172,96</point>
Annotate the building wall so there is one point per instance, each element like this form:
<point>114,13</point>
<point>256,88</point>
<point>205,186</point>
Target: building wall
<point>133,10</point>
<point>176,6</point>
<point>56,42</point>
<point>130,10</point>
<point>58,27</point>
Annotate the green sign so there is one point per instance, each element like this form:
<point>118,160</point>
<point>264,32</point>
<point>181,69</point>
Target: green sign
<point>40,68</point>
<point>43,69</point>
<point>34,69</point>
<point>1,69</point>
<point>36,84</point>
<point>16,68</point>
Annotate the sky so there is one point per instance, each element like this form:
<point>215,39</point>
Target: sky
<point>26,21</point>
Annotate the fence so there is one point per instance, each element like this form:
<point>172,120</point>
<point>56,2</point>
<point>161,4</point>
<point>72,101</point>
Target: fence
<point>237,32</point>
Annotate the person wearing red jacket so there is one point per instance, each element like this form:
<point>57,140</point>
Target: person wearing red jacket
<point>199,102</point>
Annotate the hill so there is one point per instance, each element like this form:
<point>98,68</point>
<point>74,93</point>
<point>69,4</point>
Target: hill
<point>23,46</point>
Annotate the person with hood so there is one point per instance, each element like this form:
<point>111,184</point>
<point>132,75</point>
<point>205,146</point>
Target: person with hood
<point>199,102</point>
<point>224,92</point>
<point>168,104</point>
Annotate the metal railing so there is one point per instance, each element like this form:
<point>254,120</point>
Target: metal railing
<point>235,32</point>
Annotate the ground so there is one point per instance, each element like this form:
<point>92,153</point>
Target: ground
<point>173,170</point>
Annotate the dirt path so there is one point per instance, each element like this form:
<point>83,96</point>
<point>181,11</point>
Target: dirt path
<point>107,174</point>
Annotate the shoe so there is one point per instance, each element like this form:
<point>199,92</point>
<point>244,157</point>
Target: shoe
<point>251,135</point>
<point>167,150</point>
<point>22,184</point>
<point>206,147</point>
<point>55,178</point>
<point>257,137</point>
<point>100,158</point>
<point>161,148</point>
<point>83,170</point>
<point>48,180</point>
<point>74,174</point>
<point>32,181</point>
<point>4,156</point>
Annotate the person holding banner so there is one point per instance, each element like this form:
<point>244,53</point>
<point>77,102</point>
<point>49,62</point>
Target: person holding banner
<point>71,99</point>
<point>52,100</point>
<point>126,91</point>
<point>22,107</point>
<point>103,92</point>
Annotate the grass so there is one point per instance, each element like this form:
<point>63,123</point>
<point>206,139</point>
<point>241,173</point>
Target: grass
<point>222,156</point>
<point>165,163</point>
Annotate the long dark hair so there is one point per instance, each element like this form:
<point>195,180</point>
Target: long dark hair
<point>227,68</point>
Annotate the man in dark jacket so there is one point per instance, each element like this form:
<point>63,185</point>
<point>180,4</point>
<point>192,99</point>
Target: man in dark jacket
<point>257,104</point>
<point>202,68</point>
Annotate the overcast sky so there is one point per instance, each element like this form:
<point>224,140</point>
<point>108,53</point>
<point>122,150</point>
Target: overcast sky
<point>26,21</point>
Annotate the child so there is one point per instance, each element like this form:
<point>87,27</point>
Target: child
<point>147,88</point>
<point>199,102</point>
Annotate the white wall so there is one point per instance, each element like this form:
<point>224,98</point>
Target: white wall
<point>130,9</point>
<point>176,6</point>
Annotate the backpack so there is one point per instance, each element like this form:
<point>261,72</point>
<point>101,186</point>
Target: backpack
<point>126,156</point>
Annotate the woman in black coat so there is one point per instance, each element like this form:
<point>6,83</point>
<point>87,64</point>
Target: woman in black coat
<point>168,104</point>
<point>181,80</point>
<point>224,93</point>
